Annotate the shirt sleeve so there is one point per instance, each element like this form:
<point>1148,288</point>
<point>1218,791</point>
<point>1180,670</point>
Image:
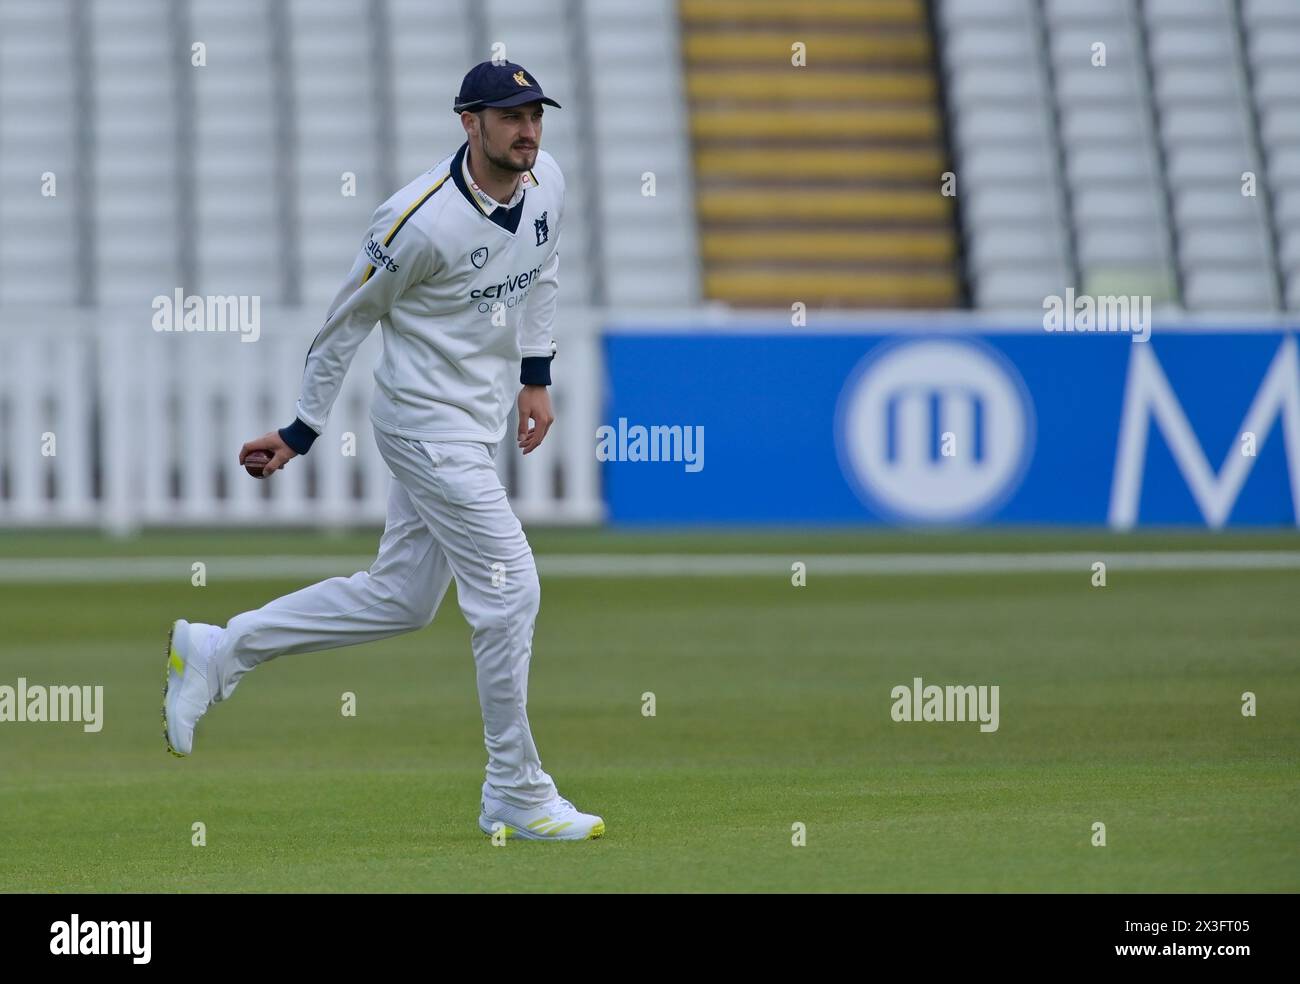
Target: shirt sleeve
<point>396,254</point>
<point>536,342</point>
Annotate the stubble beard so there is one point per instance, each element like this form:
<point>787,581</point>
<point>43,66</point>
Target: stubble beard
<point>504,162</point>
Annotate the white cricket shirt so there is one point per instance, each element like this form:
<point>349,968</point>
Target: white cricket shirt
<point>442,262</point>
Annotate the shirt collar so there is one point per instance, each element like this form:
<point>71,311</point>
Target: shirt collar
<point>485,201</point>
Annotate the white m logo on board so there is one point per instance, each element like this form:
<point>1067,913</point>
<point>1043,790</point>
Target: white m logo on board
<point>1148,396</point>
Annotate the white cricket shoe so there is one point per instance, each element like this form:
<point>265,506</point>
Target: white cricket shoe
<point>186,694</point>
<point>556,820</point>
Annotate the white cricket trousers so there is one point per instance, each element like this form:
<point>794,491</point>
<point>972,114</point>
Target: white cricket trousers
<point>447,517</point>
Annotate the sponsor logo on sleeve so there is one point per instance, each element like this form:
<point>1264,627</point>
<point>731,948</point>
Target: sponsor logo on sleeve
<point>379,257</point>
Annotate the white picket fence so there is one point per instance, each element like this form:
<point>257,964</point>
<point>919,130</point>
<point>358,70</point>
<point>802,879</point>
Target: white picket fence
<point>106,422</point>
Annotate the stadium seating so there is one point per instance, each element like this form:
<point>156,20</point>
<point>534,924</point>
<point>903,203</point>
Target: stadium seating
<point>1011,193</point>
<point>236,176</point>
<point>818,182</point>
<point>38,107</point>
<point>701,164</point>
<point>1272,29</point>
<point>1169,170</point>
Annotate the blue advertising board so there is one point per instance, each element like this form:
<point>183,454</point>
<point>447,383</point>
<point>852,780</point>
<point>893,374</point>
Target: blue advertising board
<point>1190,428</point>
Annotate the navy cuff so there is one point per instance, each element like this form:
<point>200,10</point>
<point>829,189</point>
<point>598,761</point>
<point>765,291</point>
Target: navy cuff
<point>536,370</point>
<point>298,436</point>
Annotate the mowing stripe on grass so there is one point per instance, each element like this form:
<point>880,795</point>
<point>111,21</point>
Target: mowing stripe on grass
<point>108,569</point>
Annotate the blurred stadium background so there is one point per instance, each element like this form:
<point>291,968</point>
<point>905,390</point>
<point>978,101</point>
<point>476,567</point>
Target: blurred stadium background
<point>757,175</point>
<point>822,231</point>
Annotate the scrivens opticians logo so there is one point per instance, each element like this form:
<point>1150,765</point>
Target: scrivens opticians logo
<point>516,282</point>
<point>380,258</point>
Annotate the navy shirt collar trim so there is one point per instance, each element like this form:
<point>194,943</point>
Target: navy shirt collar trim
<point>506,218</point>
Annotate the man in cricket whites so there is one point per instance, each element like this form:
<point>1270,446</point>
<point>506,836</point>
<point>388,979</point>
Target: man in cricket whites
<point>460,270</point>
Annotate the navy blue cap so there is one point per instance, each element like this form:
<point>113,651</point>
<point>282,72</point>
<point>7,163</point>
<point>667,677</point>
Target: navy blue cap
<point>500,85</point>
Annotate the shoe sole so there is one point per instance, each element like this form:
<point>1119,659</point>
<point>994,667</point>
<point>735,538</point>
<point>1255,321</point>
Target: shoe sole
<point>514,833</point>
<point>167,665</point>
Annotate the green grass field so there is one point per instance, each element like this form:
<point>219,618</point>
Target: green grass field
<point>1119,704</point>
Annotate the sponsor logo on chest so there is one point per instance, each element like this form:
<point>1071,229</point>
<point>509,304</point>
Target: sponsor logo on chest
<point>512,284</point>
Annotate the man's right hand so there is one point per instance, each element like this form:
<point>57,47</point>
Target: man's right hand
<point>273,444</point>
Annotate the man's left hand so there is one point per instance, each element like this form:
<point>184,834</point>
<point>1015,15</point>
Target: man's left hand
<point>534,405</point>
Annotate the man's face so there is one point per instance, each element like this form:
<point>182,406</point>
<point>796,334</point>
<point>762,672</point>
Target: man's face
<point>510,137</point>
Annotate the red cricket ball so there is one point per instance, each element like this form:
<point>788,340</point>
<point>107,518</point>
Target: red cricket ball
<point>255,461</point>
